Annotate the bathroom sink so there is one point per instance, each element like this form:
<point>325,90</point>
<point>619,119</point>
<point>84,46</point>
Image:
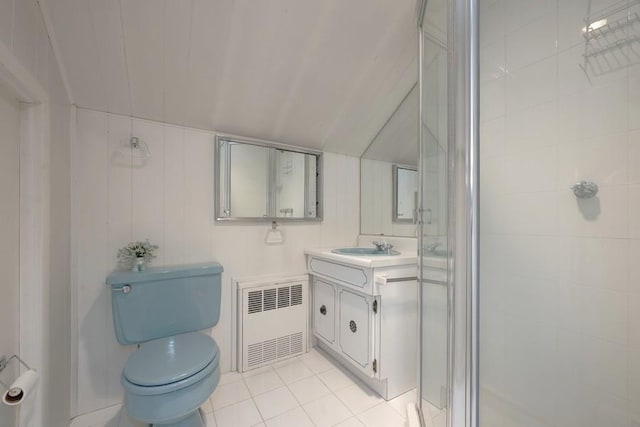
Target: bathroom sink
<point>437,253</point>
<point>363,251</point>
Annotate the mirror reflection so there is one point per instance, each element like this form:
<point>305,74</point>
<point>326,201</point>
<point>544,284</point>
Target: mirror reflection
<point>259,180</point>
<point>389,178</point>
<point>405,193</point>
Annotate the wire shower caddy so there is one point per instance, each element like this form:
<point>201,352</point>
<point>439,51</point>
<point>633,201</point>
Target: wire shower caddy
<point>612,38</point>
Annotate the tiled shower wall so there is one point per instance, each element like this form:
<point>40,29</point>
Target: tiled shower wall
<point>560,288</point>
<point>169,199</point>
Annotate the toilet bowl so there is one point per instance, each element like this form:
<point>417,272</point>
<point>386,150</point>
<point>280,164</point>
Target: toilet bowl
<point>167,380</point>
<point>176,368</point>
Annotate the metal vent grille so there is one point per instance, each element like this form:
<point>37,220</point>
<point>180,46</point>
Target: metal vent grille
<point>297,345</point>
<point>269,299</point>
<point>274,349</point>
<point>255,302</point>
<point>283,296</point>
<point>296,295</point>
<point>274,322</point>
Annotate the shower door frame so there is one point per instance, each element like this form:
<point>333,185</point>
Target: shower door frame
<point>463,207</point>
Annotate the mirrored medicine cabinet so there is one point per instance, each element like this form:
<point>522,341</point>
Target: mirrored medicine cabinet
<point>262,180</point>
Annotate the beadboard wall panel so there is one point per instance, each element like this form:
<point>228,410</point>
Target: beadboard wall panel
<point>169,200</point>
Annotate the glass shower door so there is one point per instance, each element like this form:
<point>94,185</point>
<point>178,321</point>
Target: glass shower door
<point>560,213</point>
<point>433,292</point>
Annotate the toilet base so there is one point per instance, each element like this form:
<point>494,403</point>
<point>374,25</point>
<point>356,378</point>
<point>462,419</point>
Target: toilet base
<point>194,420</point>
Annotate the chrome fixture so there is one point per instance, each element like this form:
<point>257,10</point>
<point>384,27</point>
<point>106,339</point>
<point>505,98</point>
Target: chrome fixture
<point>383,246</point>
<point>610,35</point>
<point>433,246</point>
<point>585,189</point>
<point>142,147</point>
<point>124,289</point>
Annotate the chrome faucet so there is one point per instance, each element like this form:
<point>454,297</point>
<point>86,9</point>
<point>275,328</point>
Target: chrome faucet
<point>383,246</point>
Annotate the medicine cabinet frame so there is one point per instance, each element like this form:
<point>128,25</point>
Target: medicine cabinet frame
<point>222,162</point>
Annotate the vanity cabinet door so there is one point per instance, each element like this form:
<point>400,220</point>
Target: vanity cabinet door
<point>357,330</point>
<point>324,314</point>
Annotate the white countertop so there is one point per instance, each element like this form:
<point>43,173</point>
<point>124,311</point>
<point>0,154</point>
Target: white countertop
<point>373,261</point>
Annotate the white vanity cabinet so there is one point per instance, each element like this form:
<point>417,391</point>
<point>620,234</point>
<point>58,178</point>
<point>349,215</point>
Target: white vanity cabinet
<point>324,309</point>
<point>364,314</point>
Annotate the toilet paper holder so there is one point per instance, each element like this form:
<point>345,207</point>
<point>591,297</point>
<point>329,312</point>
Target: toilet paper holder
<point>4,362</point>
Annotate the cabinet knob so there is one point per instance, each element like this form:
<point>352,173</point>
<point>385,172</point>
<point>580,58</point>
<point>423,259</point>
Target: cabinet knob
<point>323,310</point>
<point>353,326</point>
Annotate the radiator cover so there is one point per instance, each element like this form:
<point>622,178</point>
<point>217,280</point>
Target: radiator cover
<point>272,320</point>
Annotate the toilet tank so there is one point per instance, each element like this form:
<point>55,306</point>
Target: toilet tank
<point>164,301</point>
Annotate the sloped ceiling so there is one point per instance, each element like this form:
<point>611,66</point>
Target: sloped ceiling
<point>324,74</point>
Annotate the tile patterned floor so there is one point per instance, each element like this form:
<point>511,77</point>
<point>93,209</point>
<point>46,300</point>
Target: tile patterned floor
<point>310,390</point>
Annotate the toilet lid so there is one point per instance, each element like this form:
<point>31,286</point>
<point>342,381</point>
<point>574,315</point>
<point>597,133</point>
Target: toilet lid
<point>172,359</point>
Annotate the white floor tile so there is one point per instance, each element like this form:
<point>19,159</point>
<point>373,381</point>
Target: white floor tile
<point>382,415</point>
<point>275,402</point>
<point>294,418</point>
<point>241,414</point>
<point>263,382</point>
<point>228,394</point>
<point>206,407</point>
<point>351,422</point>
<point>309,389</point>
<point>317,362</point>
<point>400,403</point>
<point>327,411</point>
<point>259,425</point>
<point>292,371</point>
<point>336,379</point>
<point>209,420</point>
<point>257,371</point>
<point>229,377</point>
<point>358,398</point>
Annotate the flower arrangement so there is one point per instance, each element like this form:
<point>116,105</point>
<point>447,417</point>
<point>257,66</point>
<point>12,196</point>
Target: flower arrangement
<point>137,254</point>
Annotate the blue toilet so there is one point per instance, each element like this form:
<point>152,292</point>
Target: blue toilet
<point>176,368</point>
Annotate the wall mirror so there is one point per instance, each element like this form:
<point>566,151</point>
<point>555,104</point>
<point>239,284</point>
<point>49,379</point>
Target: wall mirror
<point>404,194</point>
<point>388,174</point>
<point>261,180</point>
<point>388,171</point>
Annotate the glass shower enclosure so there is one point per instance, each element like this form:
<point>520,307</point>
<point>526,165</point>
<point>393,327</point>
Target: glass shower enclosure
<point>530,213</point>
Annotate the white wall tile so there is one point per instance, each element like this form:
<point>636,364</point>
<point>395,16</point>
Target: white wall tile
<point>532,85</point>
<point>559,288</point>
<point>600,159</point>
<point>492,61</point>
<point>531,128</point>
<point>492,21</point>
<point>539,36</point>
<point>521,12</point>
<point>532,170</point>
<point>492,104</point>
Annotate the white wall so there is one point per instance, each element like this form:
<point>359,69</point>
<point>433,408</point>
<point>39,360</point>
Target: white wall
<point>9,239</point>
<point>170,201</point>
<point>24,34</point>
<point>560,291</point>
